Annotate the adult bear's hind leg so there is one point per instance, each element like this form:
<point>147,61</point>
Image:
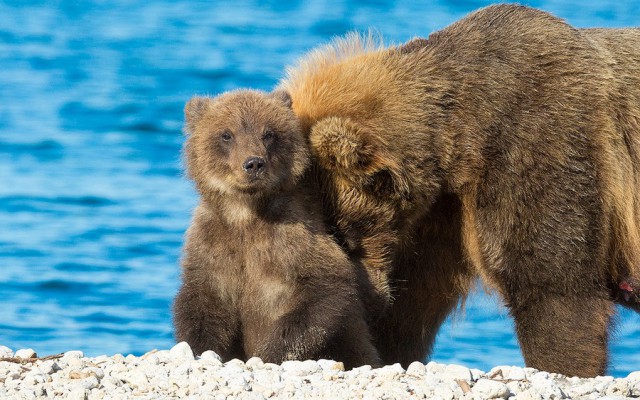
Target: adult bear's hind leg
<point>566,334</point>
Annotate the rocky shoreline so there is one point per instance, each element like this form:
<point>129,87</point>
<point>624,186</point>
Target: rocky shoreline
<point>177,374</point>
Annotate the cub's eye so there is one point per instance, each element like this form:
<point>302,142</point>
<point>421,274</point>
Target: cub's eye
<point>226,136</point>
<point>268,135</point>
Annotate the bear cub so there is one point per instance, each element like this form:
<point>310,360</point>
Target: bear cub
<point>261,276</point>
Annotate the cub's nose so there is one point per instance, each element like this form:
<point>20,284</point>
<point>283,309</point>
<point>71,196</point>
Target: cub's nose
<point>254,165</point>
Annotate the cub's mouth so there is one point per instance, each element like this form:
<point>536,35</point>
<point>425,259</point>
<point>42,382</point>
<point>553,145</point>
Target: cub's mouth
<point>253,184</point>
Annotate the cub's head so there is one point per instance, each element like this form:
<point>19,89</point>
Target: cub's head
<point>357,157</point>
<point>244,141</point>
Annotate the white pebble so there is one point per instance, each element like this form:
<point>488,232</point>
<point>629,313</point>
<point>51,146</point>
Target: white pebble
<point>90,383</point>
<point>254,363</point>
<point>416,368</point>
<point>181,370</point>
<point>211,355</point>
<point>634,376</point>
<point>453,372</point>
<point>49,367</point>
<point>390,371</point>
<point>435,367</point>
<point>26,353</point>
<point>71,355</point>
<point>130,358</point>
<point>488,389</point>
<point>330,365</point>
<point>5,352</point>
<point>477,374</point>
<point>137,378</point>
<point>501,371</point>
<point>181,351</point>
<point>444,393</point>
<point>163,356</point>
<point>300,368</point>
<point>77,394</point>
<point>516,374</point>
<point>152,359</point>
<point>517,386</point>
<point>529,394</point>
<point>98,372</point>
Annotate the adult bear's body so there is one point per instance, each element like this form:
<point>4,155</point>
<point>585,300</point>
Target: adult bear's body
<point>506,145</point>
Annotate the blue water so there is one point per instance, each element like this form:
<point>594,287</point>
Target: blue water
<point>93,202</point>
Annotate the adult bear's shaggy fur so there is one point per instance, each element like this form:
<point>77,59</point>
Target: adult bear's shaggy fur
<point>507,146</point>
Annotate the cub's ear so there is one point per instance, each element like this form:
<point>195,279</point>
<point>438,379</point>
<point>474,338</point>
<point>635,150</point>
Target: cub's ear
<point>343,146</point>
<point>193,111</point>
<point>282,96</point>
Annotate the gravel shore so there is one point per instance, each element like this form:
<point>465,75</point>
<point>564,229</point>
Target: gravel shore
<point>177,374</point>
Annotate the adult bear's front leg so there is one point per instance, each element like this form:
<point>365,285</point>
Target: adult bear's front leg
<point>431,275</point>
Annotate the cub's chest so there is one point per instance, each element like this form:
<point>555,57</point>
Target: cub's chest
<point>262,261</point>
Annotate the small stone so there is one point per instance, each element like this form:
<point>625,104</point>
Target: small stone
<point>453,372</point>
<point>97,372</point>
<point>163,356</point>
<point>211,355</point>
<point>137,378</point>
<point>435,367</point>
<point>181,370</point>
<point>540,377</point>
<point>74,363</point>
<point>181,351</point>
<point>390,372</point>
<point>152,359</point>
<point>234,366</point>
<point>272,366</point>
<point>619,387</point>
<point>72,355</point>
<point>634,376</point>
<point>300,368</point>
<point>363,369</point>
<point>516,387</point>
<point>546,386</point>
<point>499,372</point>
<point>476,374</point>
<point>254,363</point>
<point>5,352</point>
<point>529,394</point>
<point>516,374</point>
<point>444,393</point>
<point>90,383</point>
<point>77,394</point>
<point>416,368</point>
<point>330,365</point>
<point>26,353</point>
<point>635,388</point>
<point>581,390</point>
<point>488,389</point>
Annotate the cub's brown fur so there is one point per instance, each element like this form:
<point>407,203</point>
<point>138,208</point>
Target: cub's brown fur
<point>261,277</point>
<point>507,146</point>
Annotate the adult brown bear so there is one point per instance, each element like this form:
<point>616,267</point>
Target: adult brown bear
<point>506,146</point>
